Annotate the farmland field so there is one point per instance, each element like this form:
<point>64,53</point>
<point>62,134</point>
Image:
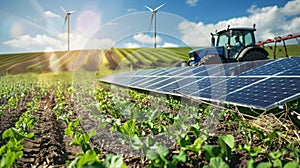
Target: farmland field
<point>51,117</point>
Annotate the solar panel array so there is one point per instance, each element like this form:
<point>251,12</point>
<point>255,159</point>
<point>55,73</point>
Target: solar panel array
<point>257,84</point>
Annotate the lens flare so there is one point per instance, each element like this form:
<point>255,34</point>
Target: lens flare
<point>88,22</point>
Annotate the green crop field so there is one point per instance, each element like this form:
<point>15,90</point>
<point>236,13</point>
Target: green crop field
<point>54,113</point>
<point>106,60</point>
<point>92,60</point>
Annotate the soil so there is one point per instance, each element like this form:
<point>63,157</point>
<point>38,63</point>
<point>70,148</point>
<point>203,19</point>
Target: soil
<point>11,116</point>
<point>50,146</point>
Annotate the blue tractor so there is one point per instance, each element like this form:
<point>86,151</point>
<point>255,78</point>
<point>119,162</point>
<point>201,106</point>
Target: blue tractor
<point>232,45</point>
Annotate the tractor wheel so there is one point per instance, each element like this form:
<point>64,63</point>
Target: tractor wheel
<point>252,55</point>
<point>212,59</point>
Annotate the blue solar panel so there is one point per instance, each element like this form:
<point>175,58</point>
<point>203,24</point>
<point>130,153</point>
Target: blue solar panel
<point>233,69</point>
<point>181,71</point>
<point>194,70</point>
<point>220,87</point>
<point>267,93</point>
<point>150,81</point>
<point>155,86</point>
<point>291,72</point>
<point>178,83</point>
<point>274,67</point>
<point>195,86</point>
<point>168,72</point>
<point>259,84</point>
<point>136,80</point>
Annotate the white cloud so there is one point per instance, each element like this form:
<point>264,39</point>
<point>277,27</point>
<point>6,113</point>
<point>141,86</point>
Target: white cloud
<point>38,42</point>
<point>144,38</point>
<point>132,45</point>
<point>291,8</point>
<point>167,45</point>
<point>192,2</point>
<point>50,14</point>
<point>42,42</point>
<point>194,34</point>
<point>271,21</point>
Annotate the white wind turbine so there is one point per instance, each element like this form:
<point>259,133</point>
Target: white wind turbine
<point>67,18</point>
<point>153,18</point>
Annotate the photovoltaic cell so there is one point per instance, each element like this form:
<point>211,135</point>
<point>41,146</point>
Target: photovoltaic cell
<point>155,86</point>
<point>267,93</point>
<point>195,86</point>
<point>150,81</point>
<point>178,82</point>
<point>274,67</point>
<point>259,84</point>
<point>221,87</point>
<point>291,72</point>
<point>193,71</point>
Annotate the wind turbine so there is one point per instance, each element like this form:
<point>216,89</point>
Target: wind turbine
<point>67,18</point>
<point>153,18</point>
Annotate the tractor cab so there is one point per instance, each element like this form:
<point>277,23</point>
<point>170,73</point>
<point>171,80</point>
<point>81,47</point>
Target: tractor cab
<point>229,45</point>
<point>234,40</point>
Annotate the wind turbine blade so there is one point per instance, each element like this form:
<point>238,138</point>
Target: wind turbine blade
<point>65,22</point>
<point>159,7</point>
<point>149,8</point>
<point>63,9</point>
<point>150,25</point>
<point>72,11</point>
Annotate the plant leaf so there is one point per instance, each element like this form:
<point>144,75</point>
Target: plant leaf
<point>218,162</point>
<point>211,151</point>
<point>291,165</point>
<point>181,157</point>
<point>264,165</point>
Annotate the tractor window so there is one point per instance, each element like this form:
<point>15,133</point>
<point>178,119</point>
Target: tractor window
<point>249,41</point>
<point>233,40</point>
<point>223,40</point>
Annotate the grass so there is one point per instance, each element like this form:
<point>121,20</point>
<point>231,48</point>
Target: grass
<point>292,50</point>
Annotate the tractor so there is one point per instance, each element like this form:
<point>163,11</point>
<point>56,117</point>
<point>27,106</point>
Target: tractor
<point>232,45</point>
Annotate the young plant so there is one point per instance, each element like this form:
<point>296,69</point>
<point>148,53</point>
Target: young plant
<point>226,145</point>
<point>83,140</point>
<point>216,162</point>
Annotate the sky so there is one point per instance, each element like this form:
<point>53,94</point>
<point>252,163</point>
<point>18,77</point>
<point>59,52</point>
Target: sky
<point>37,25</point>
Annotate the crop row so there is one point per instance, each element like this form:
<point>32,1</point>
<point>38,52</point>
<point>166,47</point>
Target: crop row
<point>14,137</point>
<point>70,61</point>
<point>147,57</point>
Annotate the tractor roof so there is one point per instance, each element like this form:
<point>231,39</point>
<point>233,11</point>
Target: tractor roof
<point>237,29</point>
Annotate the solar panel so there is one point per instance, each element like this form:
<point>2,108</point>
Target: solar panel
<point>160,84</point>
<point>268,93</point>
<point>178,82</point>
<point>151,81</point>
<point>261,84</point>
<point>221,87</point>
<point>274,67</point>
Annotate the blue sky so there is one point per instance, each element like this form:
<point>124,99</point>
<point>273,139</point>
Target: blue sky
<point>36,25</point>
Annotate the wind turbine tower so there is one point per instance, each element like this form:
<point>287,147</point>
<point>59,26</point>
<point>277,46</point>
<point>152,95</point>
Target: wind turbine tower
<point>67,18</point>
<point>153,19</point>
